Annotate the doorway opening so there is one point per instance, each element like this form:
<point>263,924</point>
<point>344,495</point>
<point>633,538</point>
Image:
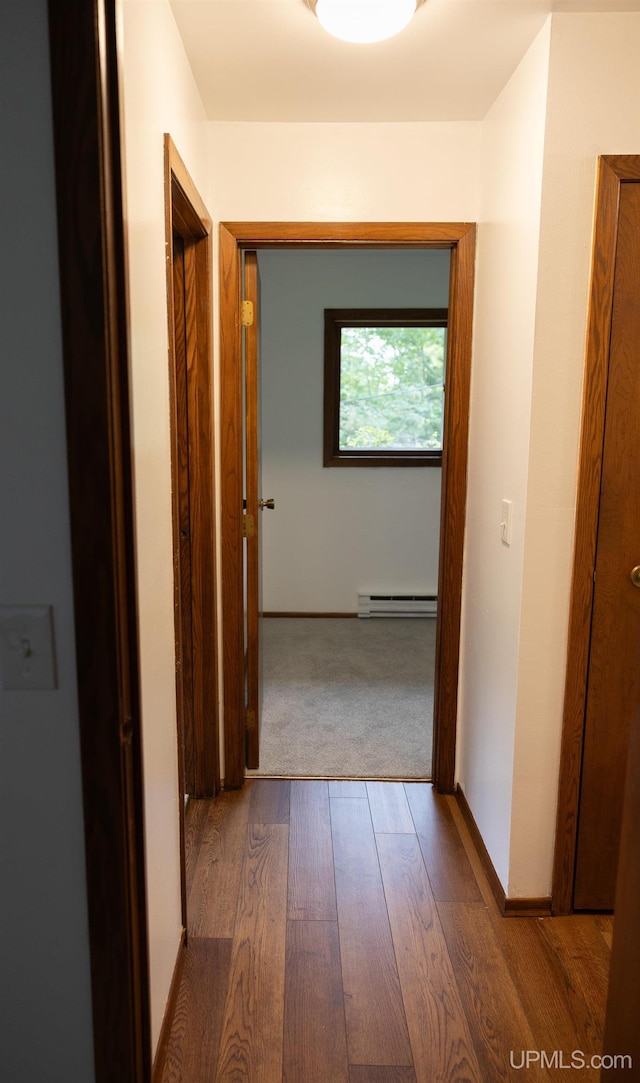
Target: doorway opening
<point>352,364</point>
<point>235,240</point>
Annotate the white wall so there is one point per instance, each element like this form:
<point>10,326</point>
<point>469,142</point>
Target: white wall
<point>508,237</point>
<point>344,172</point>
<point>337,531</point>
<point>45,1023</point>
<point>575,95</point>
<point>159,96</point>
<point>593,108</point>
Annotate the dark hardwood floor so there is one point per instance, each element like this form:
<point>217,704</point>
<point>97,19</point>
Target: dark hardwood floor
<point>344,932</point>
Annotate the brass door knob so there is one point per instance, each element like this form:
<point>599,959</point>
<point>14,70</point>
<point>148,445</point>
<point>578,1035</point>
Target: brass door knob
<point>270,503</point>
<point>635,575</point>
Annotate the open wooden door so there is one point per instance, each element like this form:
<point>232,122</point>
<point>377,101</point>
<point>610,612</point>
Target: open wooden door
<point>254,507</point>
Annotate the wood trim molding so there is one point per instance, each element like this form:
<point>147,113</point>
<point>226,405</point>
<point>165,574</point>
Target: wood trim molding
<point>612,172</point>
<point>170,1010</point>
<point>460,238</point>
<point>93,300</point>
<point>335,320</point>
<point>186,215</point>
<point>495,883</point>
<point>253,494</point>
<point>198,218</point>
<point>453,509</point>
<point>258,235</point>
<point>509,908</point>
<point>528,908</point>
<point>231,494</point>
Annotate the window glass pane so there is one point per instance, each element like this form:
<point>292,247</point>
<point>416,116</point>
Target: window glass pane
<point>392,388</point>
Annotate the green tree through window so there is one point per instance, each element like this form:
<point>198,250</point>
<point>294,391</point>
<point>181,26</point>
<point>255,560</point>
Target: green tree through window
<point>384,386</point>
<point>392,387</point>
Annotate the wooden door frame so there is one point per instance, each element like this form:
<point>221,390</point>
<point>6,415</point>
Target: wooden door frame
<point>253,494</point>
<point>613,171</point>
<point>236,237</point>
<point>186,214</point>
<point>93,302</point>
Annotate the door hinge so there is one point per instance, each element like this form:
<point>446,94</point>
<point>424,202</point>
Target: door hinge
<point>248,526</point>
<point>247,313</point>
<point>250,721</point>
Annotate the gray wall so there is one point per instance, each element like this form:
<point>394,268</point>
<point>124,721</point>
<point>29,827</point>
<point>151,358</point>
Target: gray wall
<point>45,1021</point>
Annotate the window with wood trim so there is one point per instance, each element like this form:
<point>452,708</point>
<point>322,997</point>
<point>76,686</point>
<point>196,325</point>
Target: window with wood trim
<point>384,386</point>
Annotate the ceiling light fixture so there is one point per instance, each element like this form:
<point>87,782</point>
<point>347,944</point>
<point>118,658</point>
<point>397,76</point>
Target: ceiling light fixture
<point>364,21</point>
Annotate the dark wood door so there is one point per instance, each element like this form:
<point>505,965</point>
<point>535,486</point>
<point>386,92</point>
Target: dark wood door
<point>611,691</point>
<point>253,510</point>
<point>622,1034</point>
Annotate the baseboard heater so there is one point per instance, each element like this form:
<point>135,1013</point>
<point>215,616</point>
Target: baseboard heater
<point>397,605</point>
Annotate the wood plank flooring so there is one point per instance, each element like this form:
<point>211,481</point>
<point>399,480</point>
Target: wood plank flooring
<point>345,933</point>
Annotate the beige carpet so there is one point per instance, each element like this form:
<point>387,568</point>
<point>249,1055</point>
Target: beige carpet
<point>347,698</point>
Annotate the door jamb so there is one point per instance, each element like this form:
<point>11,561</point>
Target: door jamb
<point>198,741</point>
<point>186,214</point>
<point>613,170</point>
<point>235,237</point>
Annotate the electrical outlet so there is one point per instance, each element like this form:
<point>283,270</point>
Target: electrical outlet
<point>27,660</point>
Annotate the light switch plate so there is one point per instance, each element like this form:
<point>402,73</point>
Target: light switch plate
<point>27,657</point>
<point>505,522</point>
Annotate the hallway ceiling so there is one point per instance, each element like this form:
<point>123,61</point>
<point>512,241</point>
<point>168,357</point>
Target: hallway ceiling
<point>270,60</point>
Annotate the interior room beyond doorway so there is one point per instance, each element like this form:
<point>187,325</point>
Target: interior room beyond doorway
<point>339,691</point>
